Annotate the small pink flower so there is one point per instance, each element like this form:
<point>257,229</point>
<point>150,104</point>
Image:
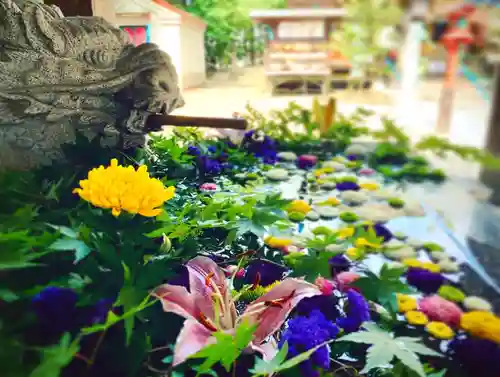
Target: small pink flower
<point>233,270</point>
<point>240,273</point>
<point>344,279</point>
<point>439,309</point>
<point>366,171</point>
<point>208,187</point>
<point>325,286</point>
<point>307,161</point>
<point>291,249</point>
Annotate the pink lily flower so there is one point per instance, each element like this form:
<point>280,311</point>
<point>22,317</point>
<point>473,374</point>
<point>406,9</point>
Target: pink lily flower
<point>209,307</point>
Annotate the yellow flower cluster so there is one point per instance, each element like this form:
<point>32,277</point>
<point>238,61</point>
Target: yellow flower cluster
<point>346,232</point>
<point>277,242</point>
<point>440,330</point>
<point>370,186</point>
<point>406,303</point>
<point>319,172</point>
<point>416,318</point>
<point>355,253</point>
<point>121,188</point>
<point>331,201</point>
<point>299,206</point>
<point>429,266</point>
<point>484,325</point>
<point>363,242</point>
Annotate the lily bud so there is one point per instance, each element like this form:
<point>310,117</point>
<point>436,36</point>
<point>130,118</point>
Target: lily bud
<point>166,244</point>
<point>326,286</point>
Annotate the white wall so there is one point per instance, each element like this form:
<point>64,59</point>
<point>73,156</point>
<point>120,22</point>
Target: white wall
<point>192,55</point>
<point>167,36</point>
<point>104,9</point>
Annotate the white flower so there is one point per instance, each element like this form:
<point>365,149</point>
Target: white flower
<point>277,174</point>
<point>377,212</point>
<point>337,166</point>
<point>439,256</point>
<point>353,197</point>
<point>447,265</point>
<point>287,156</point>
<point>333,248</point>
<point>406,252</point>
<point>356,149</point>
<point>313,216</point>
<point>327,212</point>
<point>472,303</point>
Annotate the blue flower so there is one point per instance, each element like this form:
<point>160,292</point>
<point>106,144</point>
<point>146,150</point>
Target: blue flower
<point>339,263</point>
<point>210,166</point>
<point>212,149</point>
<point>265,273</point>
<point>424,280</point>
<point>476,356</point>
<point>347,186</point>
<point>260,146</point>
<point>193,151</point>
<point>357,312</point>
<point>326,304</point>
<point>57,311</point>
<point>304,333</point>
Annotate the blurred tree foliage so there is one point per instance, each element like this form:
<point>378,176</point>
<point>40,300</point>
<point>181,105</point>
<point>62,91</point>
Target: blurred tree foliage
<point>228,23</point>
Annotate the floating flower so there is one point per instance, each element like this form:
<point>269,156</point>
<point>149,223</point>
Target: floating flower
<point>415,263</point>
<point>357,312</point>
<point>366,171</point>
<point>346,232</point>
<point>472,303</point>
<point>121,188</point>
<point>476,356</point>
<point>331,201</point>
<point>440,330</point>
<point>423,280</point>
<point>482,324</point>
<point>406,303</point>
<point>339,263</point>
<point>277,242</point>
<point>355,253</point>
<point>307,161</point>
<point>208,187</point>
<point>287,156</point>
<point>370,186</point>
<point>362,242</point>
<point>451,293</point>
<point>439,309</point>
<point>380,230</point>
<point>347,186</point>
<point>305,333</point>
<point>326,286</point>
<point>416,318</point>
<point>300,206</point>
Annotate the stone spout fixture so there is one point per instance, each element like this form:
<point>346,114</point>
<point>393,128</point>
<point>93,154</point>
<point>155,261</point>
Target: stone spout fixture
<point>62,75</point>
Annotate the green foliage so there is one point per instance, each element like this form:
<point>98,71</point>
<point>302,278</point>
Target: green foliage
<point>384,348</point>
<point>226,349</point>
<point>55,358</point>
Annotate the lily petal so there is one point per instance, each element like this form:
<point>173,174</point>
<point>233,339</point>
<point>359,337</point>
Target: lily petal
<point>268,350</point>
<point>192,338</point>
<point>206,279</point>
<point>177,299</point>
<point>270,311</point>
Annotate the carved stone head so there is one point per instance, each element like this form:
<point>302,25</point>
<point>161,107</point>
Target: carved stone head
<point>59,75</point>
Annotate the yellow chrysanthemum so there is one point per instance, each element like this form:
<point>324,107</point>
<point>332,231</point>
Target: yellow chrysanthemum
<point>432,267</point>
<point>412,262</point>
<point>121,188</point>
<point>346,232</point>
<point>416,318</point>
<point>299,206</point>
<point>429,266</point>
<point>363,242</point>
<point>277,242</point>
<point>354,253</point>
<point>406,303</point>
<point>370,186</point>
<point>481,324</point>
<point>440,330</point>
<point>331,201</point>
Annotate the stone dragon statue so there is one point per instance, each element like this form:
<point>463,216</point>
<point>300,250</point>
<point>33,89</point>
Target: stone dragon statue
<point>62,75</point>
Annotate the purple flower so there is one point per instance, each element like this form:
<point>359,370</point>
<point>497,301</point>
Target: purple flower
<point>263,272</point>
<point>357,312</point>
<point>260,146</point>
<point>304,333</point>
<point>346,186</point>
<point>212,149</point>
<point>307,161</point>
<point>193,151</point>
<point>476,356</point>
<point>326,304</point>
<point>425,281</point>
<point>210,166</point>
<point>381,231</point>
<point>339,263</point>
<point>354,157</point>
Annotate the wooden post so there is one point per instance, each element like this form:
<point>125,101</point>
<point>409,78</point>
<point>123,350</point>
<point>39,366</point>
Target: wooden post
<point>491,178</point>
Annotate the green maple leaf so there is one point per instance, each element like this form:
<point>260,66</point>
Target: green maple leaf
<point>227,348</point>
<point>312,266</point>
<point>385,347</point>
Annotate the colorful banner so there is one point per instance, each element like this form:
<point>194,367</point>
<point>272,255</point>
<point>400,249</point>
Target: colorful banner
<point>137,34</point>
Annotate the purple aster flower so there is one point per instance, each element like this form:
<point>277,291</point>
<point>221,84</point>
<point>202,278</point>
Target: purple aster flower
<point>97,313</point>
<point>212,149</point>
<point>306,161</point>
<point>346,186</point>
<point>357,312</point>
<point>339,263</point>
<point>476,356</point>
<point>260,146</point>
<point>326,304</point>
<point>354,157</point>
<point>424,280</point>
<point>381,231</point>
<point>263,272</point>
<point>210,166</point>
<point>304,333</point>
<point>193,151</point>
